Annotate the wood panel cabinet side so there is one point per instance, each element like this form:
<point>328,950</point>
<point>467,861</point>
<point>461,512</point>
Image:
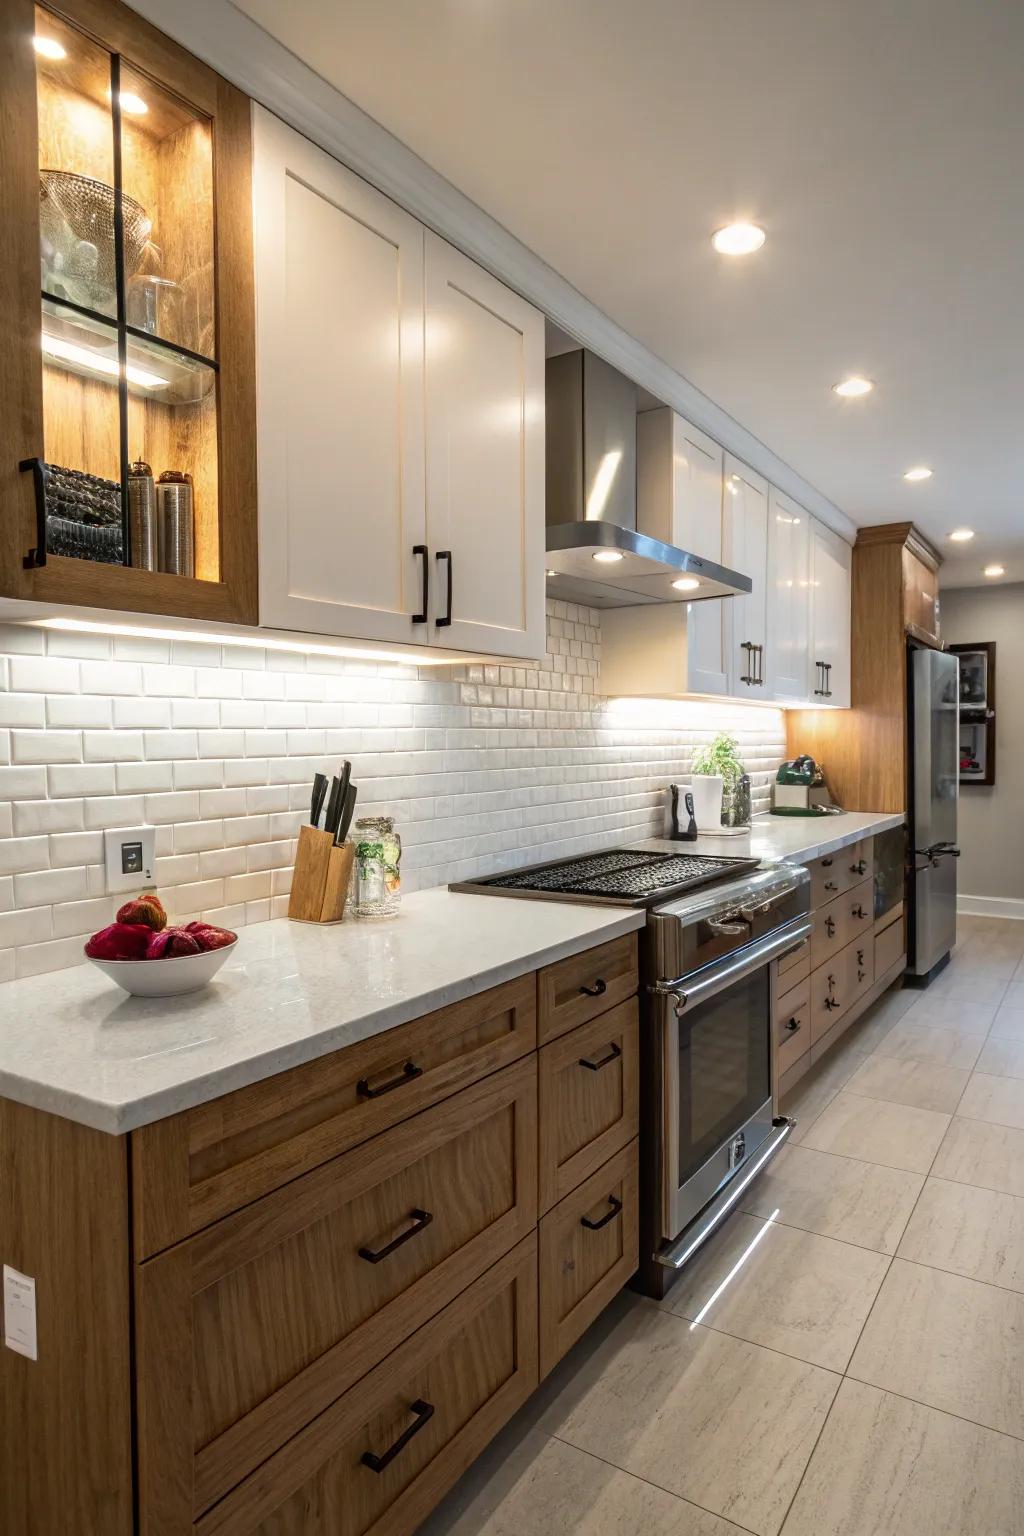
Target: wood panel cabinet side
<point>863,749</point>
<point>65,1450</point>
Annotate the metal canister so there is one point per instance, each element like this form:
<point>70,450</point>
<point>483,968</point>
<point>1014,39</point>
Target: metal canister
<point>142,516</point>
<point>176,521</point>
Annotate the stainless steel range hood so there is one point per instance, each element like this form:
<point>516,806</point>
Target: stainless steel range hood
<point>594,553</point>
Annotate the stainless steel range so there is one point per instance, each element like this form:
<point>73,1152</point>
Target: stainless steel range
<point>714,926</point>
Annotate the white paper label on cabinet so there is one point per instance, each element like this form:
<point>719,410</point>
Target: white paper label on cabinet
<point>20,1313</point>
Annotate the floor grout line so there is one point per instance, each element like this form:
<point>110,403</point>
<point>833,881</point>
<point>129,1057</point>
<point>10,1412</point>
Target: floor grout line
<point>652,1484</point>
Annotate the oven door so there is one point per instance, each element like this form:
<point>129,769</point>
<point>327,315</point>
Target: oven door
<point>717,1075</point>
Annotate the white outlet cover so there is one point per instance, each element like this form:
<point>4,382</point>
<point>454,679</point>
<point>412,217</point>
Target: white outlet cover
<point>130,858</point>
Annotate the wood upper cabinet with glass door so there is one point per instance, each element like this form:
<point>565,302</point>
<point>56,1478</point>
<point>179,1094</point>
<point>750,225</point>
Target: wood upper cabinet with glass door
<point>127,452</point>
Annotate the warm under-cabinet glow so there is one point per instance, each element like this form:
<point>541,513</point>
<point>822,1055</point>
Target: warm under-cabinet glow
<point>259,642</point>
<point>97,362</point>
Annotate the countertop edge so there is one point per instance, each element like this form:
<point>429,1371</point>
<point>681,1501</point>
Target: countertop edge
<point>834,844</point>
<point>118,1119</point>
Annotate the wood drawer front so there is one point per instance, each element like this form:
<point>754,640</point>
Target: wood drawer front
<point>474,1364</point>
<point>793,966</point>
<point>577,989</point>
<point>207,1162</point>
<point>588,1100</point>
<point>841,921</point>
<point>837,872</point>
<point>890,944</point>
<point>860,966</point>
<point>793,1024</point>
<point>278,1309</point>
<point>589,1247</point>
<point>830,995</point>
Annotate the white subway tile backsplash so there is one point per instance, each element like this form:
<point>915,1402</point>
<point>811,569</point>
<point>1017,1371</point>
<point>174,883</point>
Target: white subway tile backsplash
<point>484,766</point>
<point>43,674</point>
<point>81,779</point>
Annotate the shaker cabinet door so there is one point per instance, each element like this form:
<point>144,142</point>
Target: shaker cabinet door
<point>831,560</point>
<point>339,277</point>
<point>484,459</point>
<point>789,609</point>
<point>745,524</point>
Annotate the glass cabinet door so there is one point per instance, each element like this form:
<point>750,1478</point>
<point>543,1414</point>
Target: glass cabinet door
<point>129,345</point>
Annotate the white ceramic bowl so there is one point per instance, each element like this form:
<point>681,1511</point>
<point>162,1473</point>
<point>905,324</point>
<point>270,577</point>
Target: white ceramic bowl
<point>168,977</point>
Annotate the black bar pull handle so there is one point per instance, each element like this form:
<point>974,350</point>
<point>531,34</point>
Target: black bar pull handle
<point>446,555</point>
<point>615,1206</point>
<point>424,1413</point>
<point>408,1072</point>
<point>36,557</point>
<point>599,988</point>
<point>614,1052</point>
<point>424,554</point>
<point>420,1220</point>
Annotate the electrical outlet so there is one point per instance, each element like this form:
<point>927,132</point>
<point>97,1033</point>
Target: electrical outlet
<point>130,858</point>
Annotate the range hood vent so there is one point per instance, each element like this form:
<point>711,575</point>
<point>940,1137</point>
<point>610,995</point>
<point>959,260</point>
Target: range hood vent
<point>594,553</point>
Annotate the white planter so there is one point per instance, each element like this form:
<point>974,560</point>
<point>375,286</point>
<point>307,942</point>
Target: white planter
<point>706,789</point>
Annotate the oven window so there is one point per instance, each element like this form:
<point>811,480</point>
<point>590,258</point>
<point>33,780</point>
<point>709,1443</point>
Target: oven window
<point>724,1069</point>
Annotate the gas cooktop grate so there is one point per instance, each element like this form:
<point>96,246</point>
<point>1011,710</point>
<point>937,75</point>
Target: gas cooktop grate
<point>628,873</point>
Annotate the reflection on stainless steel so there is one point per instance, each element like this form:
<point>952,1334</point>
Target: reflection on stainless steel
<point>730,1277</point>
<point>935,787</point>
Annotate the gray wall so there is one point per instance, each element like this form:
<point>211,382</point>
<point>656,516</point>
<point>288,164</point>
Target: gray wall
<point>991,824</point>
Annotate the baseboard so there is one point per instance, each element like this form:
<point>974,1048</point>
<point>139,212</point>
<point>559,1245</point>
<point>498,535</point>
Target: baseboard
<point>990,906</point>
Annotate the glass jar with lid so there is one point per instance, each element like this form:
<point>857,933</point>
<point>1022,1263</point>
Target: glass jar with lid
<point>378,855</point>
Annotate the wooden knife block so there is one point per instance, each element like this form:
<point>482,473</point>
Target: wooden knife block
<point>320,879</point>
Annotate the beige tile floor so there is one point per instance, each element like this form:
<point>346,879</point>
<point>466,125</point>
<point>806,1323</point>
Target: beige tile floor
<point>862,1371</point>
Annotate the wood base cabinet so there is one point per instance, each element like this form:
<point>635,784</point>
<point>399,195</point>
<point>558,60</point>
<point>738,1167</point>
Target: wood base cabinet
<point>306,1306</point>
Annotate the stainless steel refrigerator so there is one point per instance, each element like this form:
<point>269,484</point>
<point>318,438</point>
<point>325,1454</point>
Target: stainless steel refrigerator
<point>934,790</point>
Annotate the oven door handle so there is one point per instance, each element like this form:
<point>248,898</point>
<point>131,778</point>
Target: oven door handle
<point>728,972</point>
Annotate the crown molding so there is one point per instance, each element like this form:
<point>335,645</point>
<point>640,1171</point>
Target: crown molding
<point>231,43</point>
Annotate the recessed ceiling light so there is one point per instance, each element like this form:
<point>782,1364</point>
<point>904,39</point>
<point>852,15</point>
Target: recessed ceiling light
<point>919,472</point>
<point>686,584</point>
<point>607,556</point>
<point>961,535</point>
<point>738,239</point>
<point>995,570</point>
<point>852,387</point>
<point>48,47</point>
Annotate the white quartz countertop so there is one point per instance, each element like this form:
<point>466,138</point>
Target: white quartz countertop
<point>800,838</point>
<point>73,1043</point>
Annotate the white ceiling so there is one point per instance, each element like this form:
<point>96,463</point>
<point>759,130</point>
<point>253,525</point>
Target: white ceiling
<point>880,144</point>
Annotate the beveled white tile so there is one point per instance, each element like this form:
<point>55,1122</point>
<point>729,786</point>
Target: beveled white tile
<point>1002,1058</point>
<point>544,1487</point>
<point>968,1231</point>
<point>888,1467</point>
<point>923,1084</point>
<point>947,1341</point>
<point>747,1417</point>
<point>787,1289</point>
<point>895,1135</point>
<point>990,1156</point>
<point>947,1047</point>
<point>861,1203</point>
<point>970,1018</point>
<point>999,1100</point>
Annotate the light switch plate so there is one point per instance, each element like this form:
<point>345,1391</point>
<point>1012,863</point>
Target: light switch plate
<point>130,858</point>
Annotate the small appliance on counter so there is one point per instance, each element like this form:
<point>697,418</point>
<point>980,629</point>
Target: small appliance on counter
<point>800,790</point>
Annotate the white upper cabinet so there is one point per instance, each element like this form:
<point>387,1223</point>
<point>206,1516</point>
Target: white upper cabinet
<point>339,294</point>
<point>400,418</point>
<point>745,549</point>
<point>679,501</point>
<point>829,673</point>
<point>484,458</point>
<point>789,597</point>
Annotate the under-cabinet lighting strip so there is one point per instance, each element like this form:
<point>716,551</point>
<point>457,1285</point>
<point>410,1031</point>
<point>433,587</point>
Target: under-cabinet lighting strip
<point>253,642</point>
<point>70,352</point>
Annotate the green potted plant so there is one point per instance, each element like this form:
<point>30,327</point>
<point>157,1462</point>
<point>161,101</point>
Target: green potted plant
<point>715,769</point>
